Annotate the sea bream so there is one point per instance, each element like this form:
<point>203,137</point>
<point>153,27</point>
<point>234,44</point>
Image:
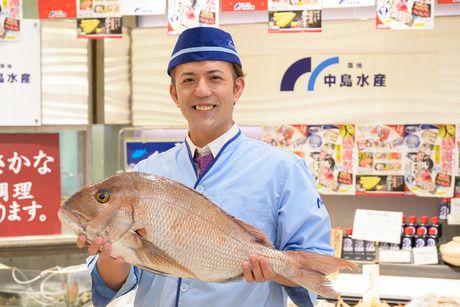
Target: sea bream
<point>163,226</point>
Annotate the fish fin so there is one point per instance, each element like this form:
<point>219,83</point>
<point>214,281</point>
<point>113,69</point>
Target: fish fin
<point>310,271</point>
<point>259,236</point>
<point>157,261</point>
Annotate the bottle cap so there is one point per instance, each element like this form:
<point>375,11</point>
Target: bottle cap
<point>424,219</point>
<point>412,219</point>
<point>349,231</point>
<point>434,220</point>
<point>404,218</point>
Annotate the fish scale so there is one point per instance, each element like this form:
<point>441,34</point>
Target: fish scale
<point>163,226</point>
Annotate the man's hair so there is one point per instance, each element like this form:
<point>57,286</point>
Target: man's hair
<point>237,72</point>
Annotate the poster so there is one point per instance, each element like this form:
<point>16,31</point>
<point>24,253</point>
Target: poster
<point>99,19</point>
<point>294,16</point>
<point>184,14</point>
<point>405,14</point>
<point>138,150</point>
<point>329,155</point>
<point>429,159</point>
<point>380,159</point>
<point>30,185</point>
<point>243,5</point>
<point>327,4</point>
<point>10,19</point>
<point>327,150</point>
<point>142,7</point>
<point>57,9</point>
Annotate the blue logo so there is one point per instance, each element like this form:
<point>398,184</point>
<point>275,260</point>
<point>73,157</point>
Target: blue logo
<point>319,202</point>
<point>301,67</point>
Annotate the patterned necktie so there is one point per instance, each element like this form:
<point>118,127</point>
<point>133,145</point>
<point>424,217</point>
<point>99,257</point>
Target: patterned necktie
<point>204,161</point>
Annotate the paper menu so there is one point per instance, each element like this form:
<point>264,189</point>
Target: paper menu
<point>376,225</point>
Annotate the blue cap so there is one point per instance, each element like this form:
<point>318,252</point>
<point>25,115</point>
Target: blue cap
<point>203,44</point>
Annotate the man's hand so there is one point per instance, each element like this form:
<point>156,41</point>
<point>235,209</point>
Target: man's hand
<point>257,269</point>
<point>113,271</point>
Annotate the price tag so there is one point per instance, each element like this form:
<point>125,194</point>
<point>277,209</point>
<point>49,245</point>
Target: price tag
<point>371,283</point>
<point>375,225</point>
<point>425,255</point>
<point>394,256</point>
<point>453,219</point>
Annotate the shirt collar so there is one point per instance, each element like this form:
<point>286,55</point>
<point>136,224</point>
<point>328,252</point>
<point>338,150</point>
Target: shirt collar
<point>216,145</point>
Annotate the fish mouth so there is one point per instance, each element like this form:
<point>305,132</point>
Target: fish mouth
<point>74,219</point>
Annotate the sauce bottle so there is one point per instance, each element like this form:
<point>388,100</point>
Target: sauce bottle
<point>432,239</point>
<point>347,244</point>
<point>406,239</point>
<point>412,224</point>
<point>419,239</point>
<point>435,226</point>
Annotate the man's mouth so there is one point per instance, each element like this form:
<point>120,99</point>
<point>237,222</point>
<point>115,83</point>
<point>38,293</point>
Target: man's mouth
<point>204,107</point>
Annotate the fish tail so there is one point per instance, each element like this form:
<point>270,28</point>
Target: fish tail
<point>310,271</point>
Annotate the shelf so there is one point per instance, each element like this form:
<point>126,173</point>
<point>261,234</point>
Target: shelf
<point>405,269</point>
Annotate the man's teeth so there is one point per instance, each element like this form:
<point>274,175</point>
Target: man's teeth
<point>204,107</point>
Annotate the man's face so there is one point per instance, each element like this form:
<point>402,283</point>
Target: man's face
<point>205,92</point>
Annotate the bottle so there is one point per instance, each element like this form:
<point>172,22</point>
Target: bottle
<point>359,249</point>
<point>419,240</point>
<point>412,224</point>
<point>406,239</point>
<point>369,250</point>
<point>435,226</point>
<point>403,224</point>
<point>444,208</point>
<point>347,244</point>
<point>423,225</point>
<point>432,239</point>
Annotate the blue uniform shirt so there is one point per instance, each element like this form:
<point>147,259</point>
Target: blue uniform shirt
<point>266,187</point>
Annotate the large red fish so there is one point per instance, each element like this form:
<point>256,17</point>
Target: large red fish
<point>163,226</point>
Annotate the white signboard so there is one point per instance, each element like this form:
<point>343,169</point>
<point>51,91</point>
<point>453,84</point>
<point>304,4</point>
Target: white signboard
<point>375,225</point>
<point>425,255</point>
<point>142,7</point>
<point>20,78</point>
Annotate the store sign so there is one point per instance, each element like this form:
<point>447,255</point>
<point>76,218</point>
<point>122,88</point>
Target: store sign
<point>20,78</point>
<point>57,9</point>
<point>359,79</point>
<point>243,5</point>
<point>30,185</point>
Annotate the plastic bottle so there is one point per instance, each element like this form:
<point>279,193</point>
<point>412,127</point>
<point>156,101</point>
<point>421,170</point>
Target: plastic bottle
<point>406,239</point>
<point>403,224</point>
<point>412,224</point>
<point>358,249</point>
<point>369,250</point>
<point>432,239</point>
<point>347,244</point>
<point>444,208</point>
<point>423,225</point>
<point>435,226</point>
<point>419,240</point>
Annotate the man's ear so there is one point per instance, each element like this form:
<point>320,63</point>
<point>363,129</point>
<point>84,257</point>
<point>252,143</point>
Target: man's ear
<point>238,88</point>
<point>173,93</point>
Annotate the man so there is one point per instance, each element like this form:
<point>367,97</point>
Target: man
<point>255,182</point>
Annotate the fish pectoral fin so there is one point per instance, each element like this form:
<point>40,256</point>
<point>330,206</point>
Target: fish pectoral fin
<point>259,236</point>
<point>158,261</point>
<point>142,232</point>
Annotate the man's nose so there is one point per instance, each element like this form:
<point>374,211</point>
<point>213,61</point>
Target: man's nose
<point>202,89</point>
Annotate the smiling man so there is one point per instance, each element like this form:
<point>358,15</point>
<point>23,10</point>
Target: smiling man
<point>268,188</point>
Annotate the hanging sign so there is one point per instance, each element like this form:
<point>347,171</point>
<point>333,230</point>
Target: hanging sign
<point>405,14</point>
<point>184,14</point>
<point>30,185</point>
<point>380,159</point>
<point>142,7</point>
<point>429,160</point>
<point>98,19</point>
<point>244,5</point>
<point>10,19</point>
<point>294,16</point>
<point>57,9</point>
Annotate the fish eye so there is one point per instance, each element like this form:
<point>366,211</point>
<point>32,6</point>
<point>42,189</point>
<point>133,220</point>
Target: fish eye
<point>102,196</point>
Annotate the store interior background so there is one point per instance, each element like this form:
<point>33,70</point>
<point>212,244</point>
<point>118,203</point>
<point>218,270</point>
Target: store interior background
<point>93,89</point>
